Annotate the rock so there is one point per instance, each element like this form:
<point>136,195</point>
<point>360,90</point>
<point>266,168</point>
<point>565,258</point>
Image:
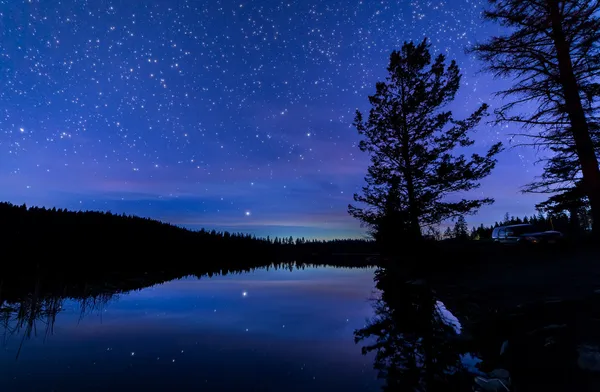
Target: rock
<point>498,380</point>
<point>491,385</point>
<point>589,358</point>
<point>501,374</point>
<point>547,328</point>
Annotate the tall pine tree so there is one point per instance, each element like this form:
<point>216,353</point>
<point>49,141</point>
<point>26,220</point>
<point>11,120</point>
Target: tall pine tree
<point>411,137</point>
<point>552,52</point>
<point>461,229</point>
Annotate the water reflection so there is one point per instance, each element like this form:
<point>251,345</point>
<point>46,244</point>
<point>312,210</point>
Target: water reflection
<point>29,305</point>
<point>281,330</point>
<point>34,314</point>
<point>290,331</point>
<point>419,346</point>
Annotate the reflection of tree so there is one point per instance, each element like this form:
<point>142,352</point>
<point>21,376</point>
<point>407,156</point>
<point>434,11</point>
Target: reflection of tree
<point>34,313</point>
<point>416,349</point>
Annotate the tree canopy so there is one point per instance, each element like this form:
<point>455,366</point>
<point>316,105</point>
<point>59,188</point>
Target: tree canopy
<point>551,50</point>
<point>411,138</point>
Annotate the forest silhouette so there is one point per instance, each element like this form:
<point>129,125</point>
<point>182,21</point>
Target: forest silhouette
<point>57,236</point>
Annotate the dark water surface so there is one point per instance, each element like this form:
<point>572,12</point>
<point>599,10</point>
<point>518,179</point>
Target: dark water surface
<point>291,327</point>
<point>275,330</point>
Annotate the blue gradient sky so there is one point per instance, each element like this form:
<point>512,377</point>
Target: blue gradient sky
<point>291,331</point>
<point>221,114</point>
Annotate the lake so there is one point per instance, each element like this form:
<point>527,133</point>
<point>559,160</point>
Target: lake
<point>290,327</point>
<point>266,330</point>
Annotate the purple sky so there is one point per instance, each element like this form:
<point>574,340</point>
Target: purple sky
<point>221,114</point>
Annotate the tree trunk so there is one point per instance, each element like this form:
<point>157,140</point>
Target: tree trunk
<point>415,228</point>
<point>413,215</point>
<point>574,108</point>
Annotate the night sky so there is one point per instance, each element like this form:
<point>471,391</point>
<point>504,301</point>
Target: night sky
<point>232,115</point>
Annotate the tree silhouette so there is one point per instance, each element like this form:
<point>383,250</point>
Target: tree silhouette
<point>562,178</point>
<point>551,50</point>
<point>434,233</point>
<point>448,234</point>
<point>574,201</point>
<point>461,229</point>
<point>562,169</point>
<point>411,138</point>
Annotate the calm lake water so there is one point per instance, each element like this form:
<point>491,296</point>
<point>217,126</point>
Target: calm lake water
<point>275,330</point>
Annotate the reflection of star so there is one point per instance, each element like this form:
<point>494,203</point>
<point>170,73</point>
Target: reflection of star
<point>245,293</point>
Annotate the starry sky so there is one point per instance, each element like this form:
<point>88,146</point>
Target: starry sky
<point>234,115</point>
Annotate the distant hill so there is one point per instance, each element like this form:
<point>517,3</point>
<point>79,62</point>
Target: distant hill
<point>57,237</point>
<point>122,239</point>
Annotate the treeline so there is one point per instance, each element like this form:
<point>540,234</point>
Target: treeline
<point>50,236</point>
<point>122,239</point>
<point>542,222</point>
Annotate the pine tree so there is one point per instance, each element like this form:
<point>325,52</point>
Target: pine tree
<point>434,233</point>
<point>574,201</point>
<point>551,50</point>
<point>411,137</point>
<point>461,229</point>
<point>562,168</point>
<point>448,234</point>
